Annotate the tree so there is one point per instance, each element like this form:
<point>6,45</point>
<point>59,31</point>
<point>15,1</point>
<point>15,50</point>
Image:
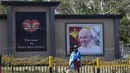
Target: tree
<point>125,30</point>
<point>91,6</point>
<point>3,10</point>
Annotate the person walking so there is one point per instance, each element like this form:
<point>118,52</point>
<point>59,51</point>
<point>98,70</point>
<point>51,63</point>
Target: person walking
<point>73,61</point>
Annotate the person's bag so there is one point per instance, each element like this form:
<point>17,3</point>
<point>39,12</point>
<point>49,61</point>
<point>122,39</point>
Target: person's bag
<point>77,64</point>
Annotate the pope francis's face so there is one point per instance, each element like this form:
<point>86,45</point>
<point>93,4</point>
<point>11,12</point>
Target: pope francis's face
<point>85,37</point>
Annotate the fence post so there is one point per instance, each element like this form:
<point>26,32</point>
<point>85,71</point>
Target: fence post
<point>129,66</point>
<point>50,64</point>
<point>0,64</point>
<point>98,65</point>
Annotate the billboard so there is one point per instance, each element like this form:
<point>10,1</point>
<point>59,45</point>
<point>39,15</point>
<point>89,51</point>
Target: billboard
<point>30,31</point>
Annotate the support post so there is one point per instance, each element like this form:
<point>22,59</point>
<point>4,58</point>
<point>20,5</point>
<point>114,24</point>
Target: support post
<point>98,65</point>
<point>50,64</point>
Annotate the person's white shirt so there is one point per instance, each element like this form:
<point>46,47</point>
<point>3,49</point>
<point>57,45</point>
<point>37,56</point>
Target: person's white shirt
<point>91,48</point>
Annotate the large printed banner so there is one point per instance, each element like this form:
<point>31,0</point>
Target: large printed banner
<point>31,31</point>
<point>88,37</point>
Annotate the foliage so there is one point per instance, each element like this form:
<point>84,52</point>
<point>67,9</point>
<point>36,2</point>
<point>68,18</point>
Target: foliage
<point>127,57</point>
<point>125,30</point>
<point>33,60</point>
<point>90,6</point>
<point>3,10</point>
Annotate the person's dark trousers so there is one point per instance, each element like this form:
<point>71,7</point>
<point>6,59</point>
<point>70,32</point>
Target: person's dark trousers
<point>78,70</point>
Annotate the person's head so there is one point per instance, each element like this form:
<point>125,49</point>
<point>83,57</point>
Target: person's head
<point>75,47</point>
<point>84,36</point>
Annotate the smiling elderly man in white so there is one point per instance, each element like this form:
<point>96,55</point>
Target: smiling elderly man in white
<point>86,41</point>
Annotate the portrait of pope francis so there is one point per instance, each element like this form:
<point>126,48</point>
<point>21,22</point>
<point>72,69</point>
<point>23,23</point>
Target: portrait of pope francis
<point>89,38</point>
